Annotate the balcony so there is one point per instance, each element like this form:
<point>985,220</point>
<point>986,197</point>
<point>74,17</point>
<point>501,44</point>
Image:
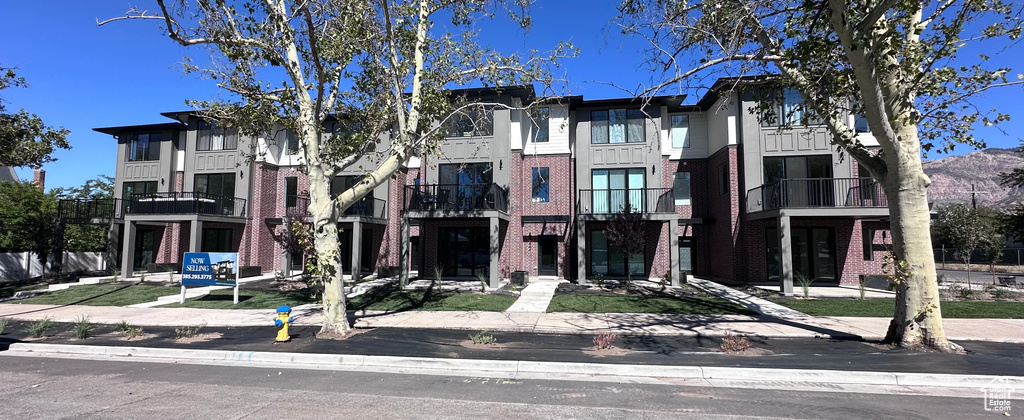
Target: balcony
<point>365,207</point>
<point>92,209</point>
<point>186,203</point>
<point>817,193</point>
<point>456,197</point>
<point>640,200</point>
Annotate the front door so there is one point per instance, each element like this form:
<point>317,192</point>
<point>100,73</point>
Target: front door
<point>547,250</point>
<point>145,249</point>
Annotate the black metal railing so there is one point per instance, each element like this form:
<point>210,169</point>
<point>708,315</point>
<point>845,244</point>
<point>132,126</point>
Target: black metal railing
<point>90,208</point>
<point>457,197</point>
<point>640,200</point>
<point>816,193</point>
<point>186,203</point>
<point>367,206</point>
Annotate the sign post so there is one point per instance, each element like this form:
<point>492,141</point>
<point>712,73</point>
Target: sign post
<point>210,269</point>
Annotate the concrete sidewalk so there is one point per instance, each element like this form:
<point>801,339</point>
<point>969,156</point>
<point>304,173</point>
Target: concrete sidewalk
<point>999,330</point>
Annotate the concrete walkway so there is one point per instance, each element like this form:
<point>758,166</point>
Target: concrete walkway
<point>535,297</point>
<point>1001,330</point>
<point>756,304</point>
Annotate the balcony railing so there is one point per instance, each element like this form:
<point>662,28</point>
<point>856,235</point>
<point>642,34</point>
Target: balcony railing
<point>456,197</point>
<point>367,206</point>
<point>186,203</point>
<point>640,200</point>
<point>90,208</point>
<point>817,193</point>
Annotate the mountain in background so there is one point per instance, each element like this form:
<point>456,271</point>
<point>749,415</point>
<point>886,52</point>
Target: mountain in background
<point>952,178</point>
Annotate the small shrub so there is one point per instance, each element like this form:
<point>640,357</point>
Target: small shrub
<point>82,328</point>
<point>599,280</point>
<point>483,282</point>
<point>940,279</point>
<point>133,332</point>
<point>1000,293</point>
<point>861,288</point>
<point>734,343</point>
<point>805,283</point>
<point>3,324</point>
<point>142,276</point>
<point>122,326</point>
<point>665,280</point>
<point>39,328</point>
<point>482,338</point>
<point>604,340</point>
<point>965,293</point>
<point>188,332</point>
<point>438,272</point>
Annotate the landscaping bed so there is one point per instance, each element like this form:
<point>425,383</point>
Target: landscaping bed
<point>430,300</point>
<point>639,299</point>
<point>884,308</point>
<point>112,294</point>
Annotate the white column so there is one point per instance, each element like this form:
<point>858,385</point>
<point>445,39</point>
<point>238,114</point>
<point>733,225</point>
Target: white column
<point>785,256</point>
<point>495,254</point>
<point>357,250</point>
<point>195,235</point>
<point>127,250</point>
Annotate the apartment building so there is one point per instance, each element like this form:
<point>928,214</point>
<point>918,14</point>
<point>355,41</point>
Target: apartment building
<point>532,189</point>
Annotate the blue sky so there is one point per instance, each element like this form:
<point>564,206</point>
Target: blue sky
<point>83,76</point>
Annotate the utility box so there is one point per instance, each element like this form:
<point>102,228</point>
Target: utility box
<point>520,278</point>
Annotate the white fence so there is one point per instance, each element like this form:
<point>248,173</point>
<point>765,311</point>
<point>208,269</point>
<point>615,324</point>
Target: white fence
<point>25,265</point>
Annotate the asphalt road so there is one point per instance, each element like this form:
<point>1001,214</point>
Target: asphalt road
<point>35,387</point>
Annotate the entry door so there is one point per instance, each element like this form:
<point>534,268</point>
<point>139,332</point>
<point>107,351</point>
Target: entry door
<point>145,248</point>
<point>547,250</point>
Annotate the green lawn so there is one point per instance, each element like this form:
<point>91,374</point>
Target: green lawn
<point>102,295</point>
<point>884,308</point>
<point>397,301</point>
<point>645,304</point>
<point>247,299</point>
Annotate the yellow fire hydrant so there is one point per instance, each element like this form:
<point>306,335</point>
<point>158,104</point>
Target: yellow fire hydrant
<point>282,321</point>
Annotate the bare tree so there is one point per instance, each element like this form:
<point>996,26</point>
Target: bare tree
<point>892,62</point>
<point>627,230</point>
<point>381,67</point>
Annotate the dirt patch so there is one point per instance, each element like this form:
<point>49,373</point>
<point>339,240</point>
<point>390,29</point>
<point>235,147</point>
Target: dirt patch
<point>880,346</point>
<point>469,344</point>
<point>752,351</point>
<point>608,352</point>
<point>337,336</point>
<point>637,290</point>
<point>199,338</point>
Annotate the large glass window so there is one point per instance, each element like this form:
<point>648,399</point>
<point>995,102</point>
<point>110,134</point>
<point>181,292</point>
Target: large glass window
<point>615,188</point>
<point>144,187</point>
<point>143,147</point>
<point>542,118</point>
<point>291,142</point>
<point>788,109</point>
<point>813,251</point>
<point>216,240</point>
<point>212,137</point>
<point>216,184</point>
<point>607,259</point>
<point>474,122</point>
<point>342,183</point>
<point>808,180</point>
<point>681,188</point>
<point>680,131</point>
<point>617,126</point>
<point>464,251</point>
<point>540,185</point>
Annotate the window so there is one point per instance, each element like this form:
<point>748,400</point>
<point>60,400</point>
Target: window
<point>474,122</point>
<point>542,119</point>
<point>617,126</point>
<point>216,240</point>
<point>540,185</point>
<point>144,147</point>
<point>869,242</point>
<point>607,259</point>
<point>342,183</point>
<point>788,109</point>
<point>681,188</point>
<point>613,189</point>
<point>686,254</point>
<point>212,137</point>
<point>723,179</point>
<point>145,187</point>
<point>680,131</point>
<point>797,167</point>
<point>291,191</point>
<point>216,184</point>
<point>291,142</point>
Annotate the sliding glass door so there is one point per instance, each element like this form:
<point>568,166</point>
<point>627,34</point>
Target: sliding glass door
<point>615,188</point>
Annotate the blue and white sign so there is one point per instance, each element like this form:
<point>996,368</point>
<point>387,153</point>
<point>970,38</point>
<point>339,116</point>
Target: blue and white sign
<point>210,269</point>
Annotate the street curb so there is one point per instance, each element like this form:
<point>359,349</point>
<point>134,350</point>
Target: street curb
<point>708,373</point>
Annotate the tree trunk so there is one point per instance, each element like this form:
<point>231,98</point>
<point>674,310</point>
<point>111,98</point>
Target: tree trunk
<point>325,244</point>
<point>917,321</point>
